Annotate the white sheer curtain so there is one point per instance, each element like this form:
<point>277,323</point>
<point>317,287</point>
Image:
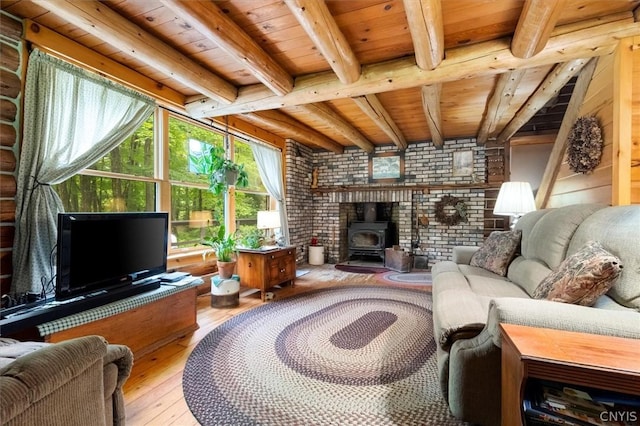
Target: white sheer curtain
<point>72,118</point>
<point>269,162</point>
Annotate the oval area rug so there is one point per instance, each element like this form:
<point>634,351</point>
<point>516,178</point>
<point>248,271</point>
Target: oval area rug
<point>357,355</point>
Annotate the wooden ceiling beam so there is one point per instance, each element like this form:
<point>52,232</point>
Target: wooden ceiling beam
<point>560,145</point>
<point>499,103</point>
<point>68,50</point>
<point>431,107</point>
<point>324,113</point>
<point>492,57</point>
<point>549,88</point>
<point>316,19</point>
<point>537,20</point>
<point>215,25</point>
<point>294,129</point>
<point>97,19</point>
<point>371,105</point>
<point>427,31</point>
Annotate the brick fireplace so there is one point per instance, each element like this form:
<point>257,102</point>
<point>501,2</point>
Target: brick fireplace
<point>344,186</point>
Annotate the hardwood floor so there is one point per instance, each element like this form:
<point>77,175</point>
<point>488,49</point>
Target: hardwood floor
<point>153,393</point>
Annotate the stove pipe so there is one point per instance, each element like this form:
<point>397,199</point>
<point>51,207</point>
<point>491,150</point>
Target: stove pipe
<point>370,212</point>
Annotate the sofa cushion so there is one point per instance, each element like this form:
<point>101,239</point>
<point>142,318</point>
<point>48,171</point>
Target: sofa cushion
<point>497,251</point>
<point>476,270</point>
<point>550,236</point>
<point>527,273</point>
<point>582,277</point>
<point>618,229</point>
<point>492,287</point>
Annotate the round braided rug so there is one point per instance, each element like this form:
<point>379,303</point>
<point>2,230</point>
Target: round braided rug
<point>357,355</point>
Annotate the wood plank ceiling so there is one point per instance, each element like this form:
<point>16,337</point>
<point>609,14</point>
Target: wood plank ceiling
<point>345,73</point>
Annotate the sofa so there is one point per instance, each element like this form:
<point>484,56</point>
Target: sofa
<point>75,382</point>
<point>469,302</point>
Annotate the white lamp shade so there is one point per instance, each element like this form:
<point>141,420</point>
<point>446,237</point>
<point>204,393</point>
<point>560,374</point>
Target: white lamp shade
<point>268,219</point>
<point>514,199</point>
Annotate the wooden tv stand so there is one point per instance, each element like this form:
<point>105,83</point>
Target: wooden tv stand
<point>142,328</point>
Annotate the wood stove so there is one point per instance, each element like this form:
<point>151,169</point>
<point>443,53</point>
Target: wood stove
<point>369,238</point>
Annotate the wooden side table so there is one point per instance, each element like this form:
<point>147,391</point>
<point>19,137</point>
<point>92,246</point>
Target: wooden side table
<point>263,269</point>
<point>601,362</point>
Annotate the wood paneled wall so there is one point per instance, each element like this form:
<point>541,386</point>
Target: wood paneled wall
<point>635,124</point>
<point>11,77</point>
<point>603,95</point>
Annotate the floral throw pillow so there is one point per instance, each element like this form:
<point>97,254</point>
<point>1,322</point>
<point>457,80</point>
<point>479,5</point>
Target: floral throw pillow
<point>582,277</point>
<point>497,251</point>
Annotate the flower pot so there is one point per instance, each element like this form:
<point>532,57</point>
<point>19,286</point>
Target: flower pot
<point>231,177</point>
<point>226,269</point>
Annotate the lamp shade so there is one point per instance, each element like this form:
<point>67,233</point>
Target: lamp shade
<point>514,199</point>
<point>268,219</point>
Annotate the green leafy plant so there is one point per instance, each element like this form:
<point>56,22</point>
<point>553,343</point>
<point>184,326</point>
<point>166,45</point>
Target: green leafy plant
<point>252,238</point>
<point>221,171</point>
<point>222,244</point>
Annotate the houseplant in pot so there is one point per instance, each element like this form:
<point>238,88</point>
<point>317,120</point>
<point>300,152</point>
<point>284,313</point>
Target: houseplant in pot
<point>223,245</point>
<point>220,171</point>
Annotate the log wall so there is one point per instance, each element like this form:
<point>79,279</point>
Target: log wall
<point>11,77</point>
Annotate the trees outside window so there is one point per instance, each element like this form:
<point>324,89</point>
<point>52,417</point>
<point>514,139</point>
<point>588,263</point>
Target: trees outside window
<point>129,178</point>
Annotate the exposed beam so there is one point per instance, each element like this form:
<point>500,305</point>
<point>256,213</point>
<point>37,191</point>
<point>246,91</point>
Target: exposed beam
<point>371,105</point>
<point>499,103</point>
<point>64,48</point>
<point>327,115</point>
<point>294,129</point>
<point>214,24</point>
<point>431,107</point>
<point>560,145</point>
<point>537,20</point>
<point>314,16</point>
<point>493,57</point>
<point>623,108</point>
<point>427,31</point>
<point>549,88</point>
<point>97,19</point>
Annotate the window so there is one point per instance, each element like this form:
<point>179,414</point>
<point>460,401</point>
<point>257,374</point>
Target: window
<point>122,181</point>
<point>129,179</point>
<point>254,197</point>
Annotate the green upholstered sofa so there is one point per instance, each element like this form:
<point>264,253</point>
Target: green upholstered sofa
<point>75,382</point>
<point>469,302</point>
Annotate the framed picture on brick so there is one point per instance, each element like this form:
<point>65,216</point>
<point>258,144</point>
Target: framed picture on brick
<point>386,167</point>
<point>462,163</point>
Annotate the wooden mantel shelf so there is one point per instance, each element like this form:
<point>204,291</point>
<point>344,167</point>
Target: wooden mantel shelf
<point>424,188</point>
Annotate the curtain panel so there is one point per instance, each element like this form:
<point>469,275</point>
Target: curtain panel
<point>269,161</point>
<point>72,118</point>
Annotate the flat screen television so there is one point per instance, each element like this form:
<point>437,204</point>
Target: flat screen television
<point>104,251</point>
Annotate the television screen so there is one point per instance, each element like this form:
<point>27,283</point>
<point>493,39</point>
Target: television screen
<point>99,251</point>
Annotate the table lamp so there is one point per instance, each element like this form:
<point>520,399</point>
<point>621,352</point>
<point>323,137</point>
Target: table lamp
<point>514,199</point>
<point>268,219</point>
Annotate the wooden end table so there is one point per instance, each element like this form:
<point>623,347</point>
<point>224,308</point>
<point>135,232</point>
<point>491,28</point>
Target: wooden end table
<point>600,362</point>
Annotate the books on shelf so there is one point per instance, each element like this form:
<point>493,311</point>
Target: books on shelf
<point>550,403</point>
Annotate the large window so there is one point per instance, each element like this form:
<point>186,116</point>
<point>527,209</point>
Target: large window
<point>131,178</point>
<point>122,181</point>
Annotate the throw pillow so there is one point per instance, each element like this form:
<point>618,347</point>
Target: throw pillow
<point>497,251</point>
<point>582,277</point>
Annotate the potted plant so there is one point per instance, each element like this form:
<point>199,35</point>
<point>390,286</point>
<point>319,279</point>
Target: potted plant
<point>221,171</point>
<point>224,247</point>
<point>252,239</point>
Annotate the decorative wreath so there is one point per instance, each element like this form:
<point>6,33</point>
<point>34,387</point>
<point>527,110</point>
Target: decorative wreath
<point>458,215</point>
<point>585,145</point>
